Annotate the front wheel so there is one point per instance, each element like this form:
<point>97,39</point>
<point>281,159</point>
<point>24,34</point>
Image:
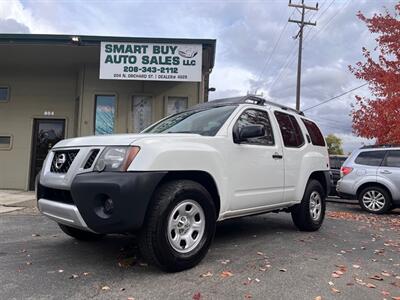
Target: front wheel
<point>310,213</point>
<point>179,227</point>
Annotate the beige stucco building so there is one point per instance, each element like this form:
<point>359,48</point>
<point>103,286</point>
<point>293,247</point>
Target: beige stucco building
<point>50,88</point>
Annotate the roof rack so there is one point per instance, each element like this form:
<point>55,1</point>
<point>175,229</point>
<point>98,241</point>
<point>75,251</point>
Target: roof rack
<point>380,146</point>
<point>250,99</point>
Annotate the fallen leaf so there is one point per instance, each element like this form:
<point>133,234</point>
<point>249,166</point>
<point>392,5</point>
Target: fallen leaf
<point>208,274</point>
<point>330,283</point>
<point>35,235</point>
<point>339,272</point>
<point>196,296</point>
<point>282,270</point>
<point>86,273</point>
<point>130,298</point>
<point>127,262</point>
<point>28,263</point>
<point>225,274</point>
<point>73,276</point>
<point>385,274</point>
<point>371,286</point>
<point>385,293</point>
<point>356,266</point>
<point>376,277</point>
<point>334,275</point>
<point>105,288</point>
<point>122,289</point>
<point>60,271</point>
<point>318,298</point>
<point>257,280</point>
<point>225,261</point>
<point>336,291</point>
<point>260,253</point>
<point>248,296</point>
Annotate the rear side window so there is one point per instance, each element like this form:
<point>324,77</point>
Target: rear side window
<point>316,136</point>
<point>370,158</point>
<point>257,117</point>
<point>290,129</point>
<point>392,159</point>
<point>336,162</point>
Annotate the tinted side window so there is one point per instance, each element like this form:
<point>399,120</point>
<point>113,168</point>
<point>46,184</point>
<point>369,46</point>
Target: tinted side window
<point>256,117</point>
<point>392,159</point>
<point>316,136</point>
<point>290,129</point>
<point>336,162</point>
<point>370,158</point>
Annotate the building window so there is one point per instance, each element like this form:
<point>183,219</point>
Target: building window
<point>142,113</point>
<point>104,114</point>
<point>176,104</point>
<point>4,93</point>
<point>5,142</point>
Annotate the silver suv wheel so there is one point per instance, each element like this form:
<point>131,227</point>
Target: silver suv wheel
<point>186,225</point>
<point>315,205</point>
<point>374,200</point>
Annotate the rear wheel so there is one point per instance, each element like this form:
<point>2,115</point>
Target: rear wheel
<point>80,234</point>
<point>375,200</point>
<point>180,226</point>
<point>309,214</point>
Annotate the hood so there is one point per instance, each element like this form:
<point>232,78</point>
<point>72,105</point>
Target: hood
<point>115,139</point>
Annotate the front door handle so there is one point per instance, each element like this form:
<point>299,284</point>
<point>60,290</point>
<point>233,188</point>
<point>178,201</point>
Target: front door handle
<point>276,155</point>
<point>385,172</point>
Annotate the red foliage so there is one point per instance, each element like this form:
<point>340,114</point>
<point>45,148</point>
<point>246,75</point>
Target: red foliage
<point>379,116</point>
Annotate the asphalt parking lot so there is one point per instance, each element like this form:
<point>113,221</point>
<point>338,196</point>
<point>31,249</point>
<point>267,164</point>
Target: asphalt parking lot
<point>354,256</point>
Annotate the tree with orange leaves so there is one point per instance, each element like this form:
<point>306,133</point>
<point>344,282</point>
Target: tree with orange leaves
<point>379,116</point>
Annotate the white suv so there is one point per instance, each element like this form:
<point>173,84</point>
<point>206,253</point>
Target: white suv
<point>170,184</point>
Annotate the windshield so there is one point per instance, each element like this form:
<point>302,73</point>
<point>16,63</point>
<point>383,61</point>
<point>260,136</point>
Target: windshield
<point>203,121</point>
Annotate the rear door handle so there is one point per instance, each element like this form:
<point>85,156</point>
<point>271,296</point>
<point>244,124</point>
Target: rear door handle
<point>277,156</point>
<point>385,172</point>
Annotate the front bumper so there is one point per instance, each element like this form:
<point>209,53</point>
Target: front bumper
<point>83,205</point>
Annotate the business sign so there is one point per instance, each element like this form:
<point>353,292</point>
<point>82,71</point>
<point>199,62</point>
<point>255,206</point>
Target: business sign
<point>143,61</point>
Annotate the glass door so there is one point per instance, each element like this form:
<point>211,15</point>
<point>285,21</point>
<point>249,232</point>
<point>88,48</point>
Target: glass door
<point>142,112</point>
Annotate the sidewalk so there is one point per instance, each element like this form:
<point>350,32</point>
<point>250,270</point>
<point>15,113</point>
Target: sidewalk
<point>13,200</point>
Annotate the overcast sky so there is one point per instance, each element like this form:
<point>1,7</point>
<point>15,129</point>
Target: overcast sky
<point>247,32</point>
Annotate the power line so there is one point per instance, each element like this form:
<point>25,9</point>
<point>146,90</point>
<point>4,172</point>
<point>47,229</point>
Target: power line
<point>335,97</point>
<point>268,60</point>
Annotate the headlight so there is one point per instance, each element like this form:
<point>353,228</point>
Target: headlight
<point>116,158</point>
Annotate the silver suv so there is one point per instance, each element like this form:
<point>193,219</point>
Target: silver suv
<point>372,175</point>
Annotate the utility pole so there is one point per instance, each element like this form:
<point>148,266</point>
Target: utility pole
<point>301,8</point>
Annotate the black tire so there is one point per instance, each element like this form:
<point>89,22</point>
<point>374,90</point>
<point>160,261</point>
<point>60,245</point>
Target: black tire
<point>154,243</point>
<point>387,200</point>
<point>78,234</point>
<point>301,213</point>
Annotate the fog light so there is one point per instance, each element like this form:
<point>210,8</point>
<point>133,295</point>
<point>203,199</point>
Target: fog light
<point>108,206</point>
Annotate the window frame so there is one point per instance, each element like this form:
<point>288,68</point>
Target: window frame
<point>11,142</point>
<point>115,95</point>
<point>270,123</point>
<point>371,151</point>
<point>298,124</point>
<point>8,93</point>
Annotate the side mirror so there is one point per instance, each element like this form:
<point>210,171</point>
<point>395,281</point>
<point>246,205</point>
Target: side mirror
<point>250,131</point>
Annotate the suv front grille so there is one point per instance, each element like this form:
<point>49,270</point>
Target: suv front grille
<point>91,159</point>
<point>62,160</point>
